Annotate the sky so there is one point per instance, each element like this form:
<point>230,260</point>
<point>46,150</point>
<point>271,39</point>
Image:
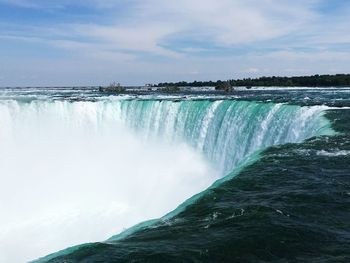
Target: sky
<point>134,42</point>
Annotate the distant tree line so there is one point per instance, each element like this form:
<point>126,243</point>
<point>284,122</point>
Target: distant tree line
<point>337,80</point>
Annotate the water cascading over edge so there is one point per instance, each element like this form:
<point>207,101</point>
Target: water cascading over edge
<point>226,131</point>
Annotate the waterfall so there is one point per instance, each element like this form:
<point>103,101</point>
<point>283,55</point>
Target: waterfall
<point>76,172</point>
<point>225,131</point>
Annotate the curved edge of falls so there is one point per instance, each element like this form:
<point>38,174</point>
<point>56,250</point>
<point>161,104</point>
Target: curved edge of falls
<point>218,129</point>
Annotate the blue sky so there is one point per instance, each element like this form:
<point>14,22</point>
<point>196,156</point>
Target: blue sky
<point>95,42</point>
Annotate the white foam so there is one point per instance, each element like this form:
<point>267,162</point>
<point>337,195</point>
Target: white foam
<point>71,173</point>
<point>333,154</point>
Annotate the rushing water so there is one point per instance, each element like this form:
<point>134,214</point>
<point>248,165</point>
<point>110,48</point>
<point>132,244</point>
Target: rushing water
<point>78,167</point>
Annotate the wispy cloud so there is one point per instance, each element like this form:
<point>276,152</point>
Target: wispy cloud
<point>163,34</point>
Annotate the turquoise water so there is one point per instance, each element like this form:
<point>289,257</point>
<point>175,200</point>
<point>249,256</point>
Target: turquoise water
<point>226,131</point>
<point>283,193</point>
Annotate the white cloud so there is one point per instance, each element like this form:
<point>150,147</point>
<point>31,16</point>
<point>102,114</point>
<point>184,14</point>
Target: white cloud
<point>228,22</point>
<point>317,56</point>
<point>153,24</point>
<point>157,40</point>
<point>140,38</point>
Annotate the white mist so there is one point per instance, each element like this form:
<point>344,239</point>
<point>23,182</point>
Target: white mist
<point>72,173</point>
